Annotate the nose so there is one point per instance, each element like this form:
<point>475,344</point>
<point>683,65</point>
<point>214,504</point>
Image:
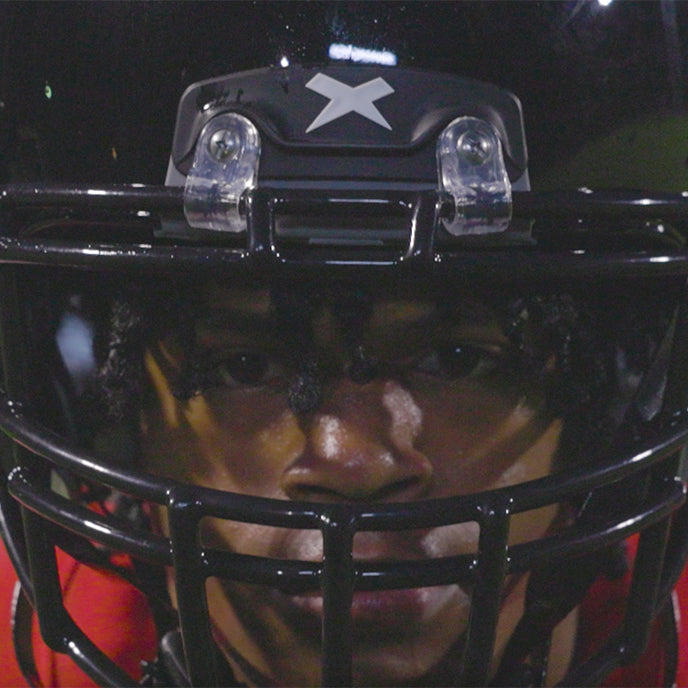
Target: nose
<point>360,446</point>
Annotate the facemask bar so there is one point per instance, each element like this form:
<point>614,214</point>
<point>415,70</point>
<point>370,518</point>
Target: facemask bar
<point>338,575</point>
<point>491,510</point>
<point>139,203</point>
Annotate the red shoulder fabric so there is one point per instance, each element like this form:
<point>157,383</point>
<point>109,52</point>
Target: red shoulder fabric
<point>681,592</point>
<point>10,675</point>
<point>110,611</point>
<point>602,611</point>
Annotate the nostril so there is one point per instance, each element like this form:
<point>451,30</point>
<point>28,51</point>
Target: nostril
<point>402,490</point>
<point>314,493</point>
<point>356,449</point>
<point>405,489</point>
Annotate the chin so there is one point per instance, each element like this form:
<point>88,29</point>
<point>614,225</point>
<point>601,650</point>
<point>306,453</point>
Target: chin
<point>425,663</point>
<point>408,637</point>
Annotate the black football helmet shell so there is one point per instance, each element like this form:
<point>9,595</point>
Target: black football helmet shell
<point>342,172</point>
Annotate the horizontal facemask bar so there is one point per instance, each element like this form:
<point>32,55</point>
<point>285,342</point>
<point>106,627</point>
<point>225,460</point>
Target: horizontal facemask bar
<point>278,513</point>
<point>605,214</point>
<point>338,575</point>
<point>581,203</point>
<point>343,221</point>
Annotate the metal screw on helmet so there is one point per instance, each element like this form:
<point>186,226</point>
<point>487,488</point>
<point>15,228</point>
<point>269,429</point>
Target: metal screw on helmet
<point>474,147</point>
<point>223,145</point>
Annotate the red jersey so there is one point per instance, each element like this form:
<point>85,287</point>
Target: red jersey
<point>113,613</point>
<point>118,620</point>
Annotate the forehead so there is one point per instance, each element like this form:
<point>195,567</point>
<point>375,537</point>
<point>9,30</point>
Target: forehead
<point>378,311</point>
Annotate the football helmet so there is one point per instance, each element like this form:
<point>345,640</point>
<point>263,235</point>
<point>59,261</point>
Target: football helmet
<point>344,177</point>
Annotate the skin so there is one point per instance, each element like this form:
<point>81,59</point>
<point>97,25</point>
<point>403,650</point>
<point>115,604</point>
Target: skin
<point>417,430</point>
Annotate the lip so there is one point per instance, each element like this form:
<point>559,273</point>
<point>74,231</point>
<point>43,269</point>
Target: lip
<point>386,609</point>
<point>401,611</point>
<point>407,545</point>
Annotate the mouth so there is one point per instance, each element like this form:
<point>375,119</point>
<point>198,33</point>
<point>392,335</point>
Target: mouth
<point>383,618</point>
<point>398,633</point>
<point>388,609</point>
<point>401,610</point>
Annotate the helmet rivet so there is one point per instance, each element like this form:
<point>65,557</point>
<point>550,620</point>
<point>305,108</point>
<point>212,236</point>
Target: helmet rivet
<point>474,147</point>
<point>224,144</point>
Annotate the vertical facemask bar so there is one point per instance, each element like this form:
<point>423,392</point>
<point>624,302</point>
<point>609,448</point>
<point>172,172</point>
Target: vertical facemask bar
<point>22,636</point>
<point>58,629</point>
<point>490,571</point>
<point>14,376</point>
<point>642,599</point>
<point>184,514</point>
<point>675,407</point>
<point>426,214</point>
<point>629,641</point>
<point>676,392</point>
<point>338,591</point>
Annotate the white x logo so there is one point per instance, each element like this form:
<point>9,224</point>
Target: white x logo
<point>345,99</point>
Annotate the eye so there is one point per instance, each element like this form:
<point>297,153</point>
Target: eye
<point>249,368</point>
<point>456,361</point>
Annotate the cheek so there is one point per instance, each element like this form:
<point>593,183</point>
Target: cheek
<point>238,442</point>
<point>245,538</point>
<point>478,439</point>
<point>458,420</point>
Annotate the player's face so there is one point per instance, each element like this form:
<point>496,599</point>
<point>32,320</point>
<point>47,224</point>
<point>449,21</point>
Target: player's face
<point>445,414</point>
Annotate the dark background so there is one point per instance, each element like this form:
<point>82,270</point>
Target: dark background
<point>89,90</point>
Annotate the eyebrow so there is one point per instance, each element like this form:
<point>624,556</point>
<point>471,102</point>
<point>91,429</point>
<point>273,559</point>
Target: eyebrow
<point>237,299</point>
<point>230,323</point>
<point>244,314</point>
<point>238,311</point>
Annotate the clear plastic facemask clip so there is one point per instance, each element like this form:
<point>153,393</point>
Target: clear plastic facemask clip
<point>473,176</point>
<point>225,166</point>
